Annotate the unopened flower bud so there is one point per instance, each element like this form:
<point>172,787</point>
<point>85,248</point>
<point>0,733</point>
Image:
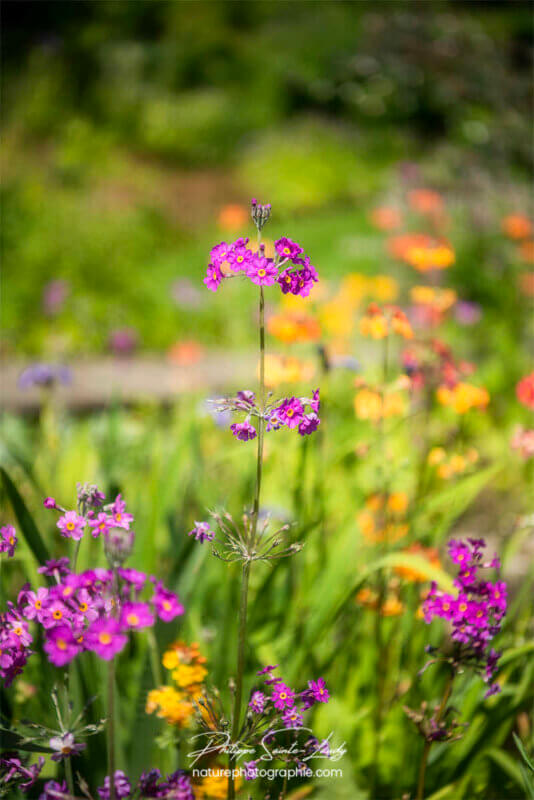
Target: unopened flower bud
<point>260,213</point>
<point>118,545</point>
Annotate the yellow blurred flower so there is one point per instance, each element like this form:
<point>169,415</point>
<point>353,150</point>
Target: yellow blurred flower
<point>173,706</point>
<point>391,607</point>
<point>384,288</point>
<point>378,323</point>
<point>463,397</point>
<point>291,327</point>
<point>215,785</point>
<point>397,502</point>
<point>436,456</point>
<point>439,299</point>
<point>369,404</point>
<point>337,317</point>
<point>415,575</point>
<point>287,369</point>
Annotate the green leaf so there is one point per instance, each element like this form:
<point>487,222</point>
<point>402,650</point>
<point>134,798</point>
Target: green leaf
<point>521,748</point>
<point>25,520</point>
<point>506,763</point>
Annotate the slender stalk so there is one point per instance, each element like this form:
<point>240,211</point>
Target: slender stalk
<point>428,744</point>
<point>111,728</point>
<point>64,722</point>
<point>68,776</point>
<point>75,554</point>
<point>243,605</point>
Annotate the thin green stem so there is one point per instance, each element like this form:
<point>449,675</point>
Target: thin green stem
<point>428,744</point>
<point>243,605</point>
<point>68,776</point>
<point>75,554</point>
<point>64,721</point>
<point>111,728</point>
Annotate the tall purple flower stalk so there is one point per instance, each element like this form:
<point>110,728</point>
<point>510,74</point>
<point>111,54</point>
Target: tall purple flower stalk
<point>293,272</point>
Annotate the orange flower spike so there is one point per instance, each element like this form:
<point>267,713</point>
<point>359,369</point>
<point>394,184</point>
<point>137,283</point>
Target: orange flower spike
<point>516,226</point>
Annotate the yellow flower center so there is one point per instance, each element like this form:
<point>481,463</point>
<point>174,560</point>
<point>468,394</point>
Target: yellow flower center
<point>70,526</point>
<point>289,412</point>
<point>104,638</point>
<point>283,696</point>
<point>261,273</point>
<point>11,540</point>
<point>446,606</point>
<point>239,259</point>
<point>38,604</point>
<point>166,605</point>
<point>463,607</point>
<point>67,590</point>
<point>118,517</point>
<point>18,631</point>
<point>57,614</point>
<point>132,619</point>
<point>286,251</point>
<point>61,644</point>
<point>83,606</point>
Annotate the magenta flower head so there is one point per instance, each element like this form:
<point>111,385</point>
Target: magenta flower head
<point>100,524</point>
<point>71,525</point>
<point>121,783</point>
<point>166,603</point>
<point>8,540</point>
<point>287,249</point>
<point>49,502</point>
<point>60,645</point>
<point>292,718</point>
<point>283,696</point>
<point>291,412</point>
<point>257,702</point>
<point>262,271</point>
<point>53,566</point>
<point>309,424</point>
<point>243,431</point>
<point>319,691</point>
<point>202,532</point>
<point>250,770</point>
<point>213,277</point>
<point>136,616</point>
<point>104,638</point>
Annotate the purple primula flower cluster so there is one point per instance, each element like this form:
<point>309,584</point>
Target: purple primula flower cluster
<point>300,413</point>
<point>277,706</point>
<point>72,524</point>
<point>151,784</point>
<point>45,375</point>
<point>202,532</point>
<point>85,611</point>
<point>8,540</point>
<point>475,613</point>
<point>290,268</point>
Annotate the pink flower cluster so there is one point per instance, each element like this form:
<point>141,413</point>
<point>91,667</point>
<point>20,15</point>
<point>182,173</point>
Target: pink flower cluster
<point>72,524</point>
<point>79,613</point>
<point>291,268</point>
<point>476,612</point>
<point>301,413</point>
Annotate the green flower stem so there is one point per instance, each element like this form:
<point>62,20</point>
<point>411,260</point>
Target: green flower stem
<point>243,605</point>
<point>428,745</point>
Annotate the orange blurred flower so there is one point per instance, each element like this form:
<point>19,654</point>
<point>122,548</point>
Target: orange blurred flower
<point>439,299</point>
<point>463,397</point>
<point>526,251</point>
<point>371,405</point>
<point>186,352</point>
<point>426,201</point>
<point>377,322</point>
<point>525,390</point>
<point>415,575</point>
<point>233,217</point>
<point>290,327</point>
<point>391,606</point>
<point>386,218</point>
<point>421,251</point>
<point>516,226</point>
<point>526,283</point>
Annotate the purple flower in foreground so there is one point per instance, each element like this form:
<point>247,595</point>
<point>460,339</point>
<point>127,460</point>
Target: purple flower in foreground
<point>49,502</point>
<point>55,565</point>
<point>267,670</point>
<point>286,248</point>
<point>122,786</point>
<point>243,431</point>
<point>166,603</point>
<point>178,786</point>
<point>71,525</point>
<point>250,770</point>
<point>283,696</point>
<point>13,768</point>
<point>65,746</point>
<point>52,790</point>
<point>309,424</point>
<point>136,615</point>
<point>104,637</point>
<point>60,645</point>
<point>213,277</point>
<point>202,532</point>
<point>292,718</point>
<point>257,702</point>
<point>262,271</point>
<point>290,412</point>
<point>319,690</point>
<point>8,540</point>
